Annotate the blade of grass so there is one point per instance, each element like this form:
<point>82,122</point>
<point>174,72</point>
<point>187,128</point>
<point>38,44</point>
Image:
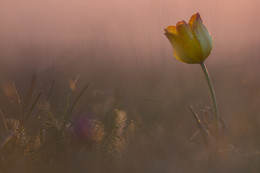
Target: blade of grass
<point>29,94</point>
<point>208,141</point>
<point>33,105</point>
<point>20,106</point>
<point>50,91</point>
<point>4,120</point>
<point>68,100</point>
<point>16,92</point>
<point>6,140</point>
<point>66,117</point>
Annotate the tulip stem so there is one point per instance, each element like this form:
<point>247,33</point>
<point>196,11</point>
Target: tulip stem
<point>213,98</point>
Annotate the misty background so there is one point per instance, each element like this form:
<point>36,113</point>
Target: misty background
<point>120,44</point>
<point>119,31</point>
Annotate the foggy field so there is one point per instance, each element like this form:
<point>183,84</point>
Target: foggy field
<point>93,86</point>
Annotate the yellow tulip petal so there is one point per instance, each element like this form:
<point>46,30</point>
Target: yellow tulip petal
<point>179,50</point>
<point>171,29</point>
<point>184,31</point>
<point>202,34</point>
<point>193,18</point>
<point>180,53</point>
<point>191,44</point>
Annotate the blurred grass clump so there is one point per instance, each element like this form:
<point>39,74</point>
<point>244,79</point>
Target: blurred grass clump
<point>61,142</point>
<point>68,126</point>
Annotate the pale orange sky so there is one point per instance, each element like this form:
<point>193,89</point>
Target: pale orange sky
<point>125,23</point>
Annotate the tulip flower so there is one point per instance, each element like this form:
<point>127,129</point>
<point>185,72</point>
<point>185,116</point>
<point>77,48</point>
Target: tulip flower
<point>191,41</point>
<point>192,44</point>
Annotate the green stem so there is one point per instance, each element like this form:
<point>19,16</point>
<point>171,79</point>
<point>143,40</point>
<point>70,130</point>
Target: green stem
<point>213,98</point>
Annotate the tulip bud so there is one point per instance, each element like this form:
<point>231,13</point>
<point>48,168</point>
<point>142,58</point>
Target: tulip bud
<point>191,42</point>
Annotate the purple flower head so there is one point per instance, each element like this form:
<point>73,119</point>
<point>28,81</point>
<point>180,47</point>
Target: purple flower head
<point>87,129</point>
<point>84,128</point>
